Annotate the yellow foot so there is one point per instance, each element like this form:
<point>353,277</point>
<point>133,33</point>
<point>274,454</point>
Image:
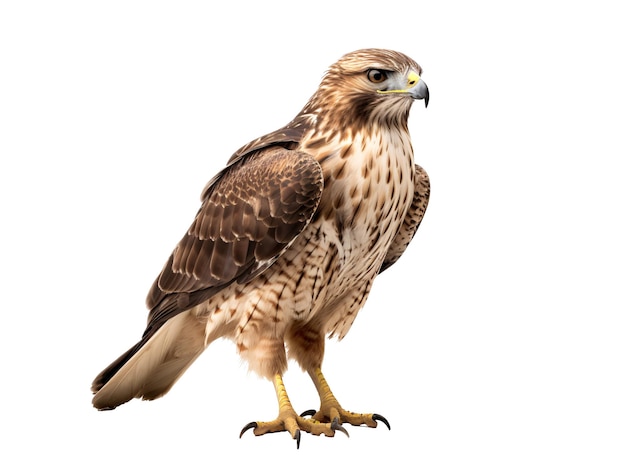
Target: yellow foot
<point>289,421</point>
<point>294,424</point>
<point>341,416</point>
<point>331,411</point>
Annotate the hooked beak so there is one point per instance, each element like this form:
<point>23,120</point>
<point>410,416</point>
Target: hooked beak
<point>420,92</point>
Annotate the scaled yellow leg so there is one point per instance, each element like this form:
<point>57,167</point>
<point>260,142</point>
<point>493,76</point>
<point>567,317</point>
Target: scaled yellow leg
<point>288,420</point>
<point>331,411</point>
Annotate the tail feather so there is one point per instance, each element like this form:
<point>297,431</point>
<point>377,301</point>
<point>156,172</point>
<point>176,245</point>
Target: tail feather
<point>150,368</point>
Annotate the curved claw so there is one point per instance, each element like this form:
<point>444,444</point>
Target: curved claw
<point>297,439</point>
<point>378,417</point>
<point>308,412</point>
<point>335,425</point>
<point>252,425</point>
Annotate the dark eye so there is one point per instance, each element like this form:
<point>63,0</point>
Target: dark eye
<point>376,76</point>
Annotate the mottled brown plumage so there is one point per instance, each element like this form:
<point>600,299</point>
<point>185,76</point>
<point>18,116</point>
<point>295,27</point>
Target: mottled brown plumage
<point>288,241</point>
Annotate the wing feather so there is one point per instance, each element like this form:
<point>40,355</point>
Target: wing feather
<point>249,215</point>
<point>412,219</point>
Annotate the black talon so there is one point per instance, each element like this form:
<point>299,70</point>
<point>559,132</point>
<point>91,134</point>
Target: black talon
<point>297,439</point>
<point>248,427</point>
<point>308,412</point>
<point>335,425</point>
<point>382,419</point>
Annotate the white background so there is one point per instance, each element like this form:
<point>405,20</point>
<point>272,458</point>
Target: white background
<point>496,343</point>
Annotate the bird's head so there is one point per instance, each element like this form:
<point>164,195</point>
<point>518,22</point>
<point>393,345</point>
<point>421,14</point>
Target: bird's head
<point>373,84</point>
<point>381,72</point>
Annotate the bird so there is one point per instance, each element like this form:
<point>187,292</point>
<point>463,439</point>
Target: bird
<point>289,237</point>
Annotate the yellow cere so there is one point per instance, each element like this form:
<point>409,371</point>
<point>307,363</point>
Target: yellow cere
<point>411,81</point>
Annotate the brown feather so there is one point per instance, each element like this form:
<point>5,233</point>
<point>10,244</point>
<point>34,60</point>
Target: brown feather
<point>205,257</point>
<point>412,219</point>
<point>289,237</point>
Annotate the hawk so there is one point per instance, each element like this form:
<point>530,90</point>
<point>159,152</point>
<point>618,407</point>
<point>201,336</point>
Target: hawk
<point>287,243</point>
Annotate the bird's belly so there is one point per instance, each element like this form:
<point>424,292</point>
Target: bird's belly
<point>342,251</point>
<point>325,276</point>
<point>363,243</point>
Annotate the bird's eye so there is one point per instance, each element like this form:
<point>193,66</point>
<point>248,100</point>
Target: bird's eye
<point>376,76</point>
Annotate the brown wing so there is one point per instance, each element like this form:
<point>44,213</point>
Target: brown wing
<point>412,219</point>
<point>250,214</point>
